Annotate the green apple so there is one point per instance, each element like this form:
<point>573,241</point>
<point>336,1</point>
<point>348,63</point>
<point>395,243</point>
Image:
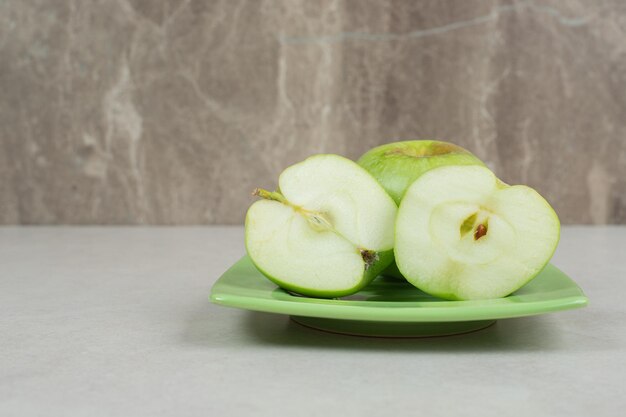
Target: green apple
<point>462,234</point>
<point>396,165</point>
<point>328,232</point>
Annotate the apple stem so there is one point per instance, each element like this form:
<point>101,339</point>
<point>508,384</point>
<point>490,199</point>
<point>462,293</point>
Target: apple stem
<point>269,195</point>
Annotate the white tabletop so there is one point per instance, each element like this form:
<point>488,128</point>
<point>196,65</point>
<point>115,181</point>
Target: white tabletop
<point>116,322</point>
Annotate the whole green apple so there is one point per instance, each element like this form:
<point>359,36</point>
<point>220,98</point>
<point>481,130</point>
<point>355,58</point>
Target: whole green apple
<point>397,165</point>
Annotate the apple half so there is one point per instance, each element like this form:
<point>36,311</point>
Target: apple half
<point>328,232</point>
<point>461,234</point>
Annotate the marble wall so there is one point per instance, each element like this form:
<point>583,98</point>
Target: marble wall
<point>172,111</point>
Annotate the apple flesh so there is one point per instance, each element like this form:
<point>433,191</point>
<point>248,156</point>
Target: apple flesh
<point>396,165</point>
<point>327,233</point>
<point>461,234</point>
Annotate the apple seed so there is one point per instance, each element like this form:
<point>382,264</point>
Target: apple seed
<point>481,231</point>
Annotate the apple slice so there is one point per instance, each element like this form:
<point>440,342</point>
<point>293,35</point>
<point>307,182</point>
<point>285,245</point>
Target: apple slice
<point>462,234</point>
<point>327,233</point>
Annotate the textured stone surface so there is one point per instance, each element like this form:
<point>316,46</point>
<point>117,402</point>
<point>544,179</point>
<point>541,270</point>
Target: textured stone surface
<point>171,111</point>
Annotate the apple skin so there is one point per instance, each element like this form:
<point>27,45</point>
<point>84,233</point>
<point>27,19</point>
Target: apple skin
<point>397,165</point>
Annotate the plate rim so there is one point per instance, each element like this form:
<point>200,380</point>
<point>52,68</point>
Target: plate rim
<point>330,309</point>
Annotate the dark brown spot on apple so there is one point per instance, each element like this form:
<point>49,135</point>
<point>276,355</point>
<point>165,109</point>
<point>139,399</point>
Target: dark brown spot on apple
<point>481,231</point>
<point>369,256</point>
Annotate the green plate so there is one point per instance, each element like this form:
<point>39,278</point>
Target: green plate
<point>390,307</point>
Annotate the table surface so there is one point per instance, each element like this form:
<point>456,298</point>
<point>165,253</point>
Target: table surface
<point>115,321</point>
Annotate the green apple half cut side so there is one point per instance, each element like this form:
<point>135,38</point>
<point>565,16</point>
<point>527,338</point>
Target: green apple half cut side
<point>462,234</point>
<point>327,233</point>
<point>397,165</point>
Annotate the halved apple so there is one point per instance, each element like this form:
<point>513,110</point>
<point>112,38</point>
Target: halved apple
<point>462,234</point>
<point>327,233</point>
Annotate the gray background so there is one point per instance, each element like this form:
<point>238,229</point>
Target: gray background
<point>170,112</point>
